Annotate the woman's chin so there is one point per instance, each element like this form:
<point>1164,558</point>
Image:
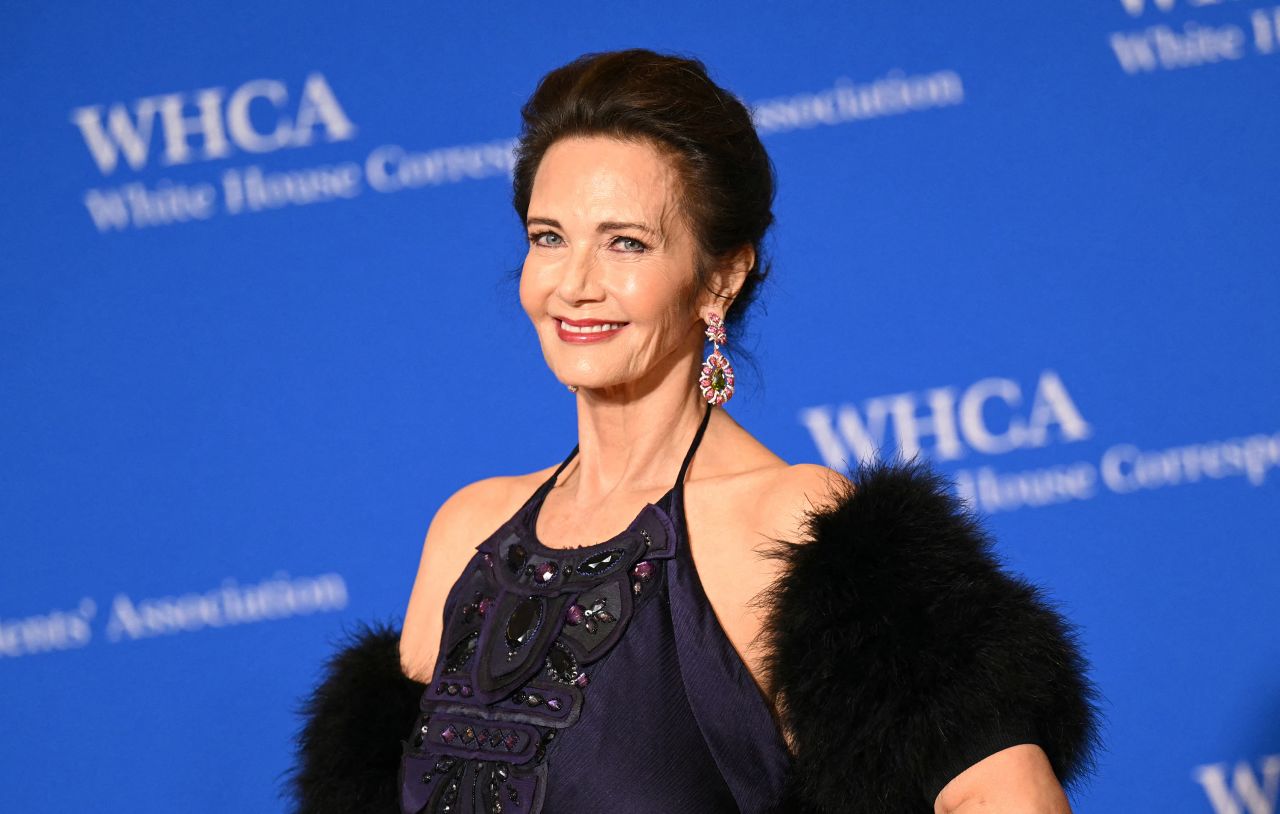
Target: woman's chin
<point>588,377</point>
<point>598,386</point>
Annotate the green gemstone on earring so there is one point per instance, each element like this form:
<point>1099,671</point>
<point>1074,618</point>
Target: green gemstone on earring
<point>717,379</point>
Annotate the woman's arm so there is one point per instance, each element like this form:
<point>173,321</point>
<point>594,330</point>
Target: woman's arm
<point>1017,780</point>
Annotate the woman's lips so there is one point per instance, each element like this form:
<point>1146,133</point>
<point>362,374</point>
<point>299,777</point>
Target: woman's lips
<point>586,331</point>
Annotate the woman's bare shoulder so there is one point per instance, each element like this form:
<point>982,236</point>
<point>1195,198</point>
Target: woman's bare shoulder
<point>810,482</point>
<point>793,492</point>
<point>492,499</point>
<point>777,496</point>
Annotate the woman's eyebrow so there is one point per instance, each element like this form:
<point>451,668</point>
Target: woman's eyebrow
<point>613,225</point>
<point>603,226</point>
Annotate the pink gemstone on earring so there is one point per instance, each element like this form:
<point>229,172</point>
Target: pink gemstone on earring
<point>715,329</point>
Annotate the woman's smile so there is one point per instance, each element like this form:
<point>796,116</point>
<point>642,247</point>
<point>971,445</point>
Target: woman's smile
<point>582,331</point>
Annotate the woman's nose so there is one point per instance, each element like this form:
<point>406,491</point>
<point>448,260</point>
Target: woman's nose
<point>581,278</point>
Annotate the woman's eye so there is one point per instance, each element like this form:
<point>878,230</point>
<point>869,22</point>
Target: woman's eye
<point>636,245</point>
<point>536,238</point>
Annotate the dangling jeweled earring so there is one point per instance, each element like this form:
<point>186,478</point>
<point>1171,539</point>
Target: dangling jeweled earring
<point>716,382</point>
<point>573,388</point>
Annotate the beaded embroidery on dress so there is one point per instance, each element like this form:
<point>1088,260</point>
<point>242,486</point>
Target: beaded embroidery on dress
<point>589,678</point>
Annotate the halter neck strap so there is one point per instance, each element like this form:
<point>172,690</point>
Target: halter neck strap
<point>549,482</point>
<point>697,439</point>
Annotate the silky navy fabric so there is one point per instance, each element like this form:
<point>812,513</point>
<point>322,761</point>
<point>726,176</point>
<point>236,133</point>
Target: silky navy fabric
<point>672,720</point>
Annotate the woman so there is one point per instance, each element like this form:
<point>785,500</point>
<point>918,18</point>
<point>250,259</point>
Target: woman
<point>608,634</point>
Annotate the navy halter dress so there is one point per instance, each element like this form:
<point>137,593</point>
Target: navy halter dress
<point>590,679</point>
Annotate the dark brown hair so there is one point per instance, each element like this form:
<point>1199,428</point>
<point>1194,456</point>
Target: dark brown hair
<point>669,101</point>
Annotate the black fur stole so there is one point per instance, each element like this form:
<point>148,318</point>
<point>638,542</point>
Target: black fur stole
<point>901,650</point>
<point>348,759</point>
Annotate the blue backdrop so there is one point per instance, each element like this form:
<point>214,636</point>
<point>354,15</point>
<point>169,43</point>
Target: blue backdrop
<point>252,253</point>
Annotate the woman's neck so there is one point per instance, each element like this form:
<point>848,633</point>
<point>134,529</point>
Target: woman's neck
<point>634,441</point>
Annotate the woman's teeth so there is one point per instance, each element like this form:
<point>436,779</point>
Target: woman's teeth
<point>591,329</point>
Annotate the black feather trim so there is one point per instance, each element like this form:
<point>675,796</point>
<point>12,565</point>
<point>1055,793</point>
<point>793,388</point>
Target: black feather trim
<point>349,749</point>
<point>902,652</point>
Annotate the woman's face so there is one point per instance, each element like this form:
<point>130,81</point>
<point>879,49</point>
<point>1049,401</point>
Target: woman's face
<point>609,278</point>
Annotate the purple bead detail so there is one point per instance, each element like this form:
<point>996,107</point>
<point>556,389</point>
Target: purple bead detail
<point>544,571</point>
<point>484,605</point>
<point>511,741</point>
<point>642,570</point>
<point>554,704</point>
<point>581,680</point>
<point>449,734</point>
<point>574,614</point>
<point>466,691</point>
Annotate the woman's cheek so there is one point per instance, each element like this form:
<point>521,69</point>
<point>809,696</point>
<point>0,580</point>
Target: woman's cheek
<point>631,288</point>
<point>533,291</point>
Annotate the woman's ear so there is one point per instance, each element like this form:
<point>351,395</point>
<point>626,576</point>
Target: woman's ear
<point>726,281</point>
